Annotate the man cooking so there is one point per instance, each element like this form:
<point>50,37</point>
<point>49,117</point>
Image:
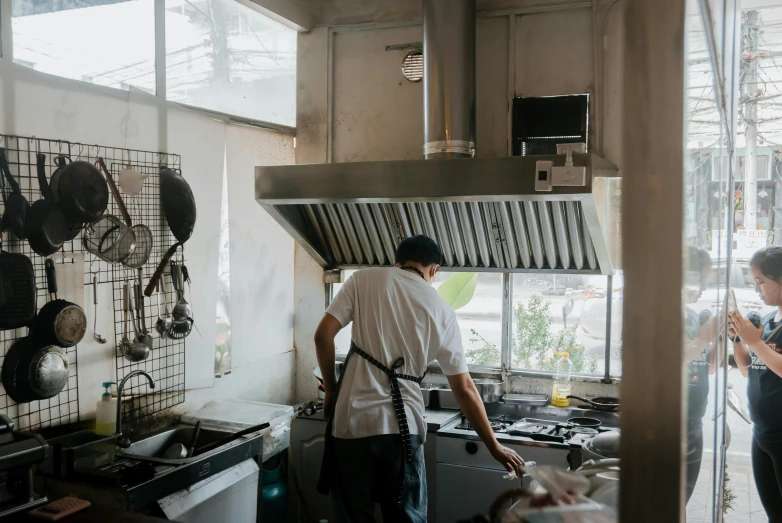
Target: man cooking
<point>376,430</point>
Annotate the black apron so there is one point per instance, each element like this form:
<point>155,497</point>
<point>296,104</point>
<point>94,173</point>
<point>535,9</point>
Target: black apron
<point>328,466</point>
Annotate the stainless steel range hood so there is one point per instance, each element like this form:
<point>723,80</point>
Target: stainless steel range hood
<point>485,213</point>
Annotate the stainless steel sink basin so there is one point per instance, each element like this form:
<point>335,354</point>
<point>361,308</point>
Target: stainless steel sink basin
<point>152,446</point>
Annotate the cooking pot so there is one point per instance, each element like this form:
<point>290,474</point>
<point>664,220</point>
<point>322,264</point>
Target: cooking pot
<point>602,446</point>
<point>491,391</point>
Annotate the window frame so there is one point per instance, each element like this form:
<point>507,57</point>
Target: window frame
<point>7,56</point>
<point>505,367</point>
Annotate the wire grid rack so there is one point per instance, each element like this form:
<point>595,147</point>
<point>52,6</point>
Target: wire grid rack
<point>165,362</point>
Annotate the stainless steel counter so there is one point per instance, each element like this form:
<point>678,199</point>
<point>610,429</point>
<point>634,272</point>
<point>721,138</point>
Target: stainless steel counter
<point>436,419</point>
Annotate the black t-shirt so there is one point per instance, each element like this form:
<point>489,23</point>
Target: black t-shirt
<point>697,374</point>
<point>764,388</point>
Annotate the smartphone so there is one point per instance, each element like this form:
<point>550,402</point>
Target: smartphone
<point>732,303</point>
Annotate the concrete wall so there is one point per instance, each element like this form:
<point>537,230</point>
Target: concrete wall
<point>33,103</point>
<point>371,112</point>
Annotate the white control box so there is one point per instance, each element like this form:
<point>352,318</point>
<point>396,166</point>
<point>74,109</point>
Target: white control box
<point>543,175</point>
<point>564,176</point>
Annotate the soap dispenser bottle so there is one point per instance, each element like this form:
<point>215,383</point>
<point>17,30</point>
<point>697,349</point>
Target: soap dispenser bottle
<point>106,411</point>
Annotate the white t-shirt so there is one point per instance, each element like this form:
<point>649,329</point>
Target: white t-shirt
<point>395,313</point>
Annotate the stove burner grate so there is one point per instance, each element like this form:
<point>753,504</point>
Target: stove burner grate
<point>498,423</point>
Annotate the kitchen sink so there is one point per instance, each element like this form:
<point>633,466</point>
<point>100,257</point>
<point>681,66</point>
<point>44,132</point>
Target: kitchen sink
<point>152,446</point>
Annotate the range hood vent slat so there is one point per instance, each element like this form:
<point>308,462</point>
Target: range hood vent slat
<point>384,227</point>
<point>374,236</point>
<point>479,226</point>
<point>492,233</point>
<point>362,232</point>
<point>519,227</point>
<point>468,233</point>
<point>453,230</point>
<point>341,251</point>
<point>511,249</point>
<point>535,235</point>
<point>561,233</point>
<point>547,233</point>
<point>574,228</point>
<point>350,233</point>
<point>443,238</point>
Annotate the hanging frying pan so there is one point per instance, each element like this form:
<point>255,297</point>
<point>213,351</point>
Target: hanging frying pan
<point>179,207</point>
<point>74,228</point>
<point>45,225</point>
<point>34,369</point>
<point>19,289</point>
<point>79,191</point>
<point>59,321</point>
<point>16,205</point>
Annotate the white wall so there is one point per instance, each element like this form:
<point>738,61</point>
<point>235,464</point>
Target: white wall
<point>32,103</point>
<point>378,115</point>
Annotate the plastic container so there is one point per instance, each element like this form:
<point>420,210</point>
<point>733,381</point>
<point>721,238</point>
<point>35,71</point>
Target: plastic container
<point>106,412</point>
<point>235,415</point>
<point>561,389</point>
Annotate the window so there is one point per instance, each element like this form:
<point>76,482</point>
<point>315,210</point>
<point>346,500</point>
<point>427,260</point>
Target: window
<point>565,313</point>
<point>480,318</point>
<point>103,42</point>
<point>548,313</point>
<point>224,56</point>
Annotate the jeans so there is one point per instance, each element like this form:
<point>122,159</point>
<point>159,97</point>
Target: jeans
<point>367,472</point>
<point>767,469</point>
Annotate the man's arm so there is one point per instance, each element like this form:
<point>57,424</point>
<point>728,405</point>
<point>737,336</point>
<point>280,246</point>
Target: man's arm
<point>471,405</point>
<point>326,352</point>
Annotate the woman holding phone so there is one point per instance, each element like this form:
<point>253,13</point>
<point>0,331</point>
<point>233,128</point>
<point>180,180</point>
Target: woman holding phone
<point>758,353</point>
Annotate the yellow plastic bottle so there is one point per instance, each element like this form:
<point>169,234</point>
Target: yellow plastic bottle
<point>106,412</point>
<point>561,388</point>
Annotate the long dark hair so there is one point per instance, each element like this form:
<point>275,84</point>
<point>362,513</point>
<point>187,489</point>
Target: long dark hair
<point>769,262</point>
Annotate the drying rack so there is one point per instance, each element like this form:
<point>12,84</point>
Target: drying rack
<point>166,361</point>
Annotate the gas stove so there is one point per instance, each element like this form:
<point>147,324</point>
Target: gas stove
<point>499,423</point>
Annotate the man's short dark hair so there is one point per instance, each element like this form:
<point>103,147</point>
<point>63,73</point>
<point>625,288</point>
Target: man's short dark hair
<point>419,249</point>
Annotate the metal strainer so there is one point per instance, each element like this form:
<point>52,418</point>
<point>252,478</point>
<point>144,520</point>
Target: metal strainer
<point>140,254</point>
<point>109,239</point>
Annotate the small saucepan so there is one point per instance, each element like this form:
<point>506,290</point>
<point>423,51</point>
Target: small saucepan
<point>605,404</point>
<point>590,423</point>
<point>59,321</point>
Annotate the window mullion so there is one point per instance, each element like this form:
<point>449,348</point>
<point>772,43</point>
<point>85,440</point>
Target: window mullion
<point>160,49</point>
<point>609,322</point>
<point>6,32</point>
<point>507,315</point>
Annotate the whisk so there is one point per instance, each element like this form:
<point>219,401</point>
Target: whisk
<point>183,322</point>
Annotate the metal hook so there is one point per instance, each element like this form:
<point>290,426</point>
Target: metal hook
<point>81,148</point>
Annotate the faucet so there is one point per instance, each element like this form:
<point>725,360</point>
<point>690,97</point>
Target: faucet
<point>123,442</point>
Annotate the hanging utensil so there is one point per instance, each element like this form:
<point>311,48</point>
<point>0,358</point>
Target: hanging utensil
<point>109,238</point>
<point>97,337</point>
<point>142,236</point>
<point>16,205</point>
<point>34,370</point>
<point>146,338</point>
<point>18,287</point>
<point>125,347</point>
<point>139,350</point>
<point>164,322</point>
<point>45,225</point>
<point>178,202</point>
<point>196,432</point>
<point>59,321</point>
<point>131,181</point>
<point>79,191</point>
<point>74,228</point>
<point>182,322</point>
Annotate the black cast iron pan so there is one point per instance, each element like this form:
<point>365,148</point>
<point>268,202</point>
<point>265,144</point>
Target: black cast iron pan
<point>604,404</point>
<point>16,205</point>
<point>45,225</point>
<point>79,191</point>
<point>19,290</point>
<point>179,207</point>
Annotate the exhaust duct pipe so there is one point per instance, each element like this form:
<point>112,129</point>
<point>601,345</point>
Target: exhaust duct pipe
<point>449,78</point>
